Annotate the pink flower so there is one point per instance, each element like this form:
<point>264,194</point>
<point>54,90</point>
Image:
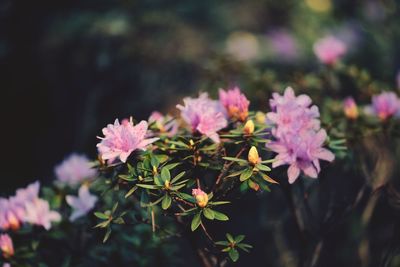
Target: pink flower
<point>38,212</point>
<point>235,103</point>
<point>120,140</point>
<point>329,49</point>
<point>298,137</point>
<point>384,105</point>
<point>350,108</point>
<point>74,170</point>
<point>12,210</point>
<point>6,245</point>
<point>165,124</point>
<point>82,204</point>
<point>203,115</point>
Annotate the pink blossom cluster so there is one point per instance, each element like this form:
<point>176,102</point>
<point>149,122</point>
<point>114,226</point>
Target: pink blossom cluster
<point>384,105</point>
<point>26,207</point>
<point>329,49</point>
<point>82,203</point>
<point>204,115</point>
<point>74,170</point>
<point>298,136</point>
<point>120,140</point>
<point>6,246</point>
<point>235,103</point>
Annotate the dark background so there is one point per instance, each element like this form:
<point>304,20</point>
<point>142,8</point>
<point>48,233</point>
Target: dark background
<point>70,67</point>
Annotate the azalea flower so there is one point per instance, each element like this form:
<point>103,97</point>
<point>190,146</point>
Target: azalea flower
<point>298,139</point>
<point>329,49</point>
<point>165,124</point>
<point>120,140</point>
<point>6,245</point>
<point>38,212</point>
<point>384,105</point>
<point>204,115</point>
<point>74,170</point>
<point>81,204</point>
<point>235,103</point>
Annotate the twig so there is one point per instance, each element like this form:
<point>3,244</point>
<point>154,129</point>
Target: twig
<point>206,233</point>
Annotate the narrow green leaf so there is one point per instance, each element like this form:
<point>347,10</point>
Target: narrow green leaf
<point>128,178</point>
<point>147,186</point>
<point>222,243</point>
<point>220,216</point>
<point>233,254</point>
<point>101,215</point>
<point>246,174</point>
<point>230,237</point>
<point>158,180</point>
<point>239,238</point>
<point>166,202</point>
<point>107,235</point>
<point>234,159</point>
<point>209,213</point>
<point>196,221</point>
<point>165,174</point>
<point>154,162</point>
<point>216,203</point>
<point>263,168</point>
<point>179,176</point>
<point>131,191</point>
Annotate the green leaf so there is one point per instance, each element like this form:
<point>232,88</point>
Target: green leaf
<point>101,215</point>
<point>268,179</point>
<point>263,167</point>
<point>103,224</point>
<point>166,202</point>
<point>114,208</point>
<point>222,243</point>
<point>172,165</point>
<point>234,159</point>
<point>233,254</point>
<point>158,180</point>
<point>165,174</point>
<point>209,213</point>
<point>131,191</point>
<point>119,220</point>
<point>107,235</point>
<point>233,174</point>
<point>147,186</point>
<point>179,176</point>
<point>239,238</point>
<point>196,221</point>
<point>154,162</point>
<point>246,174</point>
<point>230,237</point>
<point>128,178</point>
<point>220,216</point>
<point>216,203</point>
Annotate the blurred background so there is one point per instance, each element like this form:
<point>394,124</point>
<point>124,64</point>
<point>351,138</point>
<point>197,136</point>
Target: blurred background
<point>70,67</point>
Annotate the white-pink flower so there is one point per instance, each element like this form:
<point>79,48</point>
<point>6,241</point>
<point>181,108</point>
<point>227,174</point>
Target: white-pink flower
<point>38,212</point>
<point>81,204</point>
<point>74,170</point>
<point>329,49</point>
<point>120,140</point>
<point>164,124</point>
<point>204,115</point>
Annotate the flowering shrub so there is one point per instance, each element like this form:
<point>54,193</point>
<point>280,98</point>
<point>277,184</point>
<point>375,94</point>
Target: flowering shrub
<point>181,176</point>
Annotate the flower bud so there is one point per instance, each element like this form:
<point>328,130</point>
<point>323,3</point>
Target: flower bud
<point>6,245</point>
<point>260,117</point>
<point>201,197</point>
<point>167,184</point>
<point>248,127</point>
<point>350,108</point>
<point>253,157</point>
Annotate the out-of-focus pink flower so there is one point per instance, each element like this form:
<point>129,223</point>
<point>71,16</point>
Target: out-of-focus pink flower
<point>329,49</point>
<point>74,170</point>
<point>81,204</point>
<point>201,197</point>
<point>235,103</point>
<point>12,210</point>
<point>6,245</point>
<point>384,105</point>
<point>6,264</point>
<point>120,140</point>
<point>38,212</point>
<point>204,115</point>
<point>283,45</point>
<point>350,108</point>
<point>165,124</point>
<point>298,137</point>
